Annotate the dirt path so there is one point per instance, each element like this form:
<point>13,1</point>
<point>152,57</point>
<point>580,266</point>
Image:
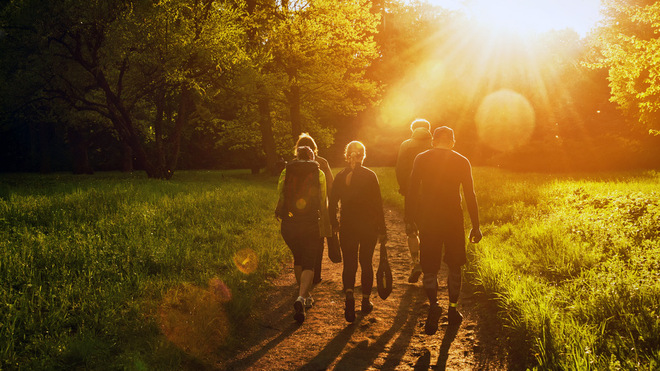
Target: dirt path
<point>391,337</point>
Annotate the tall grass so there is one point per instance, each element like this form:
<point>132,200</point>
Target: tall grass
<point>84,261</point>
<point>574,262</point>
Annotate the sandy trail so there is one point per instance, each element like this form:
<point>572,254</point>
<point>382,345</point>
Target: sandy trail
<point>391,337</point>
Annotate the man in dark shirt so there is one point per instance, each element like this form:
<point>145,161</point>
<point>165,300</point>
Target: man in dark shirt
<point>433,204</point>
<point>419,141</point>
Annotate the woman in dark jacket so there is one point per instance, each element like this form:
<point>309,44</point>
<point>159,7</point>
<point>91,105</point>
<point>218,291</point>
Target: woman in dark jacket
<point>361,224</point>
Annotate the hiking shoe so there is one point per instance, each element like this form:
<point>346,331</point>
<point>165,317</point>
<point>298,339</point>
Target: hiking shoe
<point>366,307</point>
<point>415,274</point>
<point>299,308</point>
<point>432,319</point>
<point>454,316</point>
<point>309,302</point>
<point>349,310</point>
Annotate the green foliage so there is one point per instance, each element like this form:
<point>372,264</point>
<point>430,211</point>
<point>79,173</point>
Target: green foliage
<point>630,51</point>
<point>84,263</point>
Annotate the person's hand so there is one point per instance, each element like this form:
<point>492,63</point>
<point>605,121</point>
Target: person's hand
<point>475,235</point>
<point>411,229</point>
<point>383,239</point>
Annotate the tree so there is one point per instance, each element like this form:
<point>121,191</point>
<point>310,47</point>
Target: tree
<point>630,50</point>
<point>144,66</point>
<point>308,63</point>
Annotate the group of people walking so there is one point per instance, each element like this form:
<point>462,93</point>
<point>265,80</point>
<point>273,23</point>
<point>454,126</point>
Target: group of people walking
<point>430,176</point>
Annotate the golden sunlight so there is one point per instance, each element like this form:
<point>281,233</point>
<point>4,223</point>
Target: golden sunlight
<point>505,120</point>
<point>524,17</point>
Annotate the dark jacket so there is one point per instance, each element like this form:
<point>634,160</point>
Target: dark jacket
<point>361,202</point>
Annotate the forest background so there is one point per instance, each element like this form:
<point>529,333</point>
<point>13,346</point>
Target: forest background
<point>193,84</point>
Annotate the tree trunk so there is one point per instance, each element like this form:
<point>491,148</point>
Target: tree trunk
<point>78,144</point>
<point>186,108</point>
<point>294,110</point>
<point>266,127</point>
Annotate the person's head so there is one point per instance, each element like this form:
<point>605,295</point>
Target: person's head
<point>443,137</point>
<point>304,153</point>
<point>355,153</point>
<point>420,123</point>
<point>305,139</point>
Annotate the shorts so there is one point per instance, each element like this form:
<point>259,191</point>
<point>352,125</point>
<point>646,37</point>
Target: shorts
<point>303,239</point>
<point>449,236</point>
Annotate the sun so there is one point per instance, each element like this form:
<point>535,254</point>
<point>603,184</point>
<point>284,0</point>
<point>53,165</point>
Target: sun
<point>526,17</point>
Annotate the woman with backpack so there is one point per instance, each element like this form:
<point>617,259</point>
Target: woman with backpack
<point>302,207</point>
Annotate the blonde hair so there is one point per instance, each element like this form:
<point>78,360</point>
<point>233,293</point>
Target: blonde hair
<point>305,139</point>
<point>362,150</point>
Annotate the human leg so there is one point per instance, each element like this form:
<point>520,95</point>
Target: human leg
<point>413,247</point>
<point>455,257</point>
<point>430,260</point>
<point>454,288</point>
<point>319,259</point>
<point>302,239</point>
<point>366,254</point>
<point>349,249</point>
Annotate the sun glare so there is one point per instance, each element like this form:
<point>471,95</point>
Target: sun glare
<point>527,17</point>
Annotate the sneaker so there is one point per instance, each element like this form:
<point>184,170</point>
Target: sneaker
<point>454,316</point>
<point>432,319</point>
<point>415,274</point>
<point>299,308</point>
<point>366,307</point>
<point>309,302</point>
<point>349,310</point>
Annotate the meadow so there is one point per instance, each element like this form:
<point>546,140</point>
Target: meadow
<point>87,264</point>
<point>573,262</point>
<point>93,269</point>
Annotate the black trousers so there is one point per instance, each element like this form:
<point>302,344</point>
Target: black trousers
<point>302,238</point>
<point>357,246</point>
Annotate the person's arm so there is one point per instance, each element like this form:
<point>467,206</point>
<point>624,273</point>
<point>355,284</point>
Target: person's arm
<point>378,206</point>
<point>335,195</point>
<point>325,228</point>
<point>401,170</point>
<point>329,178</point>
<point>471,201</point>
<point>280,193</point>
<point>412,196</point>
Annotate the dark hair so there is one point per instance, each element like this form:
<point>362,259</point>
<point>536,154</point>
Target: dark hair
<point>304,153</point>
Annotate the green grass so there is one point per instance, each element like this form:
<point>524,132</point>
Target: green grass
<point>573,261</point>
<point>88,262</point>
<point>85,261</point>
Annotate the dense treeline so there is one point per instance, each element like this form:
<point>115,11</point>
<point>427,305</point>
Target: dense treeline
<point>189,84</point>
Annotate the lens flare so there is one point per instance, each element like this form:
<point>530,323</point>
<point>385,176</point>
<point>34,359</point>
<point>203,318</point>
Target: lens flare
<point>505,120</point>
<point>301,203</point>
<point>219,289</point>
<point>194,320</point>
<point>246,260</point>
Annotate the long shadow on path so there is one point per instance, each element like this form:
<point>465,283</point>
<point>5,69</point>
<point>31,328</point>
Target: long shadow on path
<point>363,355</point>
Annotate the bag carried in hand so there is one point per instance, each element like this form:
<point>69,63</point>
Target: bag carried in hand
<point>384,274</point>
<point>334,250</point>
